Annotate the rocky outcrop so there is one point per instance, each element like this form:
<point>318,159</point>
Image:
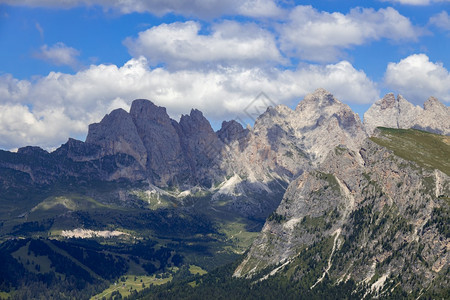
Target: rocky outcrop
<point>399,113</point>
<point>147,144</point>
<point>435,117</point>
<point>232,131</point>
<point>288,141</point>
<point>368,216</point>
<point>282,145</point>
<point>201,147</point>
<point>326,123</point>
<point>165,158</point>
<point>117,133</point>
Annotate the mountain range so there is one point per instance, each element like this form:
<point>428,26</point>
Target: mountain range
<point>335,198</point>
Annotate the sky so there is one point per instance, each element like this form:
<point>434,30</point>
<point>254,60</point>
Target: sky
<point>64,64</point>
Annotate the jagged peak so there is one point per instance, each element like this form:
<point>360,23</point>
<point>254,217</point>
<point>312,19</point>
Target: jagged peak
<point>322,95</point>
<point>118,111</point>
<point>401,98</point>
<point>31,150</point>
<point>118,122</point>
<point>388,101</point>
<point>319,98</point>
<point>194,116</point>
<point>278,109</point>
<point>114,115</point>
<point>233,123</point>
<point>231,130</point>
<point>320,92</point>
<point>139,102</point>
<point>432,103</point>
<point>147,109</point>
<point>195,122</point>
<point>72,141</point>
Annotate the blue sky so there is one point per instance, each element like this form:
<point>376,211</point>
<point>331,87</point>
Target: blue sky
<point>64,64</point>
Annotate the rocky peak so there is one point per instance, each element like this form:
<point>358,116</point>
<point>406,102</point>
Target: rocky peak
<point>201,146</point>
<point>280,114</point>
<point>232,131</point>
<point>433,103</point>
<point>110,126</point>
<point>321,98</point>
<point>117,133</point>
<point>78,151</point>
<point>32,150</point>
<point>388,101</point>
<point>399,113</point>
<point>145,109</point>
<point>195,122</point>
<point>324,122</point>
<point>288,142</point>
<point>161,139</point>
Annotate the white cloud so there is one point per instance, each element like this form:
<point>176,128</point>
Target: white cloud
<point>321,36</point>
<point>207,9</point>
<point>260,8</point>
<point>441,20</point>
<point>21,126</point>
<point>181,45</point>
<point>415,2</point>
<point>417,78</point>
<point>47,111</point>
<point>60,55</point>
<point>12,89</point>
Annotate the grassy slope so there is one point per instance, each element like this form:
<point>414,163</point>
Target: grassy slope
<point>136,283</point>
<point>426,149</point>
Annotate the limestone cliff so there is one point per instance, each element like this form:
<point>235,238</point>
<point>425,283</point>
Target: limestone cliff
<point>399,113</point>
<point>369,216</point>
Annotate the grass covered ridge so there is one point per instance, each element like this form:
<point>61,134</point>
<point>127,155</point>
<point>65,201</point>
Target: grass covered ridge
<point>426,149</point>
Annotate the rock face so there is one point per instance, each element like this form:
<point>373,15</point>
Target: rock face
<point>146,144</point>
<point>326,123</point>
<point>288,141</point>
<point>160,137</point>
<point>282,145</point>
<point>250,167</point>
<point>167,152</point>
<point>201,147</point>
<point>374,221</point>
<point>232,131</point>
<point>117,133</point>
<point>399,113</point>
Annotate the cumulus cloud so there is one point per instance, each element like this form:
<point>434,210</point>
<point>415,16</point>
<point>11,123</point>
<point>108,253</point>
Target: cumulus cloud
<point>417,78</point>
<point>441,20</point>
<point>181,45</point>
<point>48,110</point>
<point>13,90</point>
<point>60,55</point>
<point>260,8</point>
<point>207,9</point>
<point>21,126</point>
<point>321,36</point>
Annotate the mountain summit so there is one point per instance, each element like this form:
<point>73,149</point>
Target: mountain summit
<point>399,113</point>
